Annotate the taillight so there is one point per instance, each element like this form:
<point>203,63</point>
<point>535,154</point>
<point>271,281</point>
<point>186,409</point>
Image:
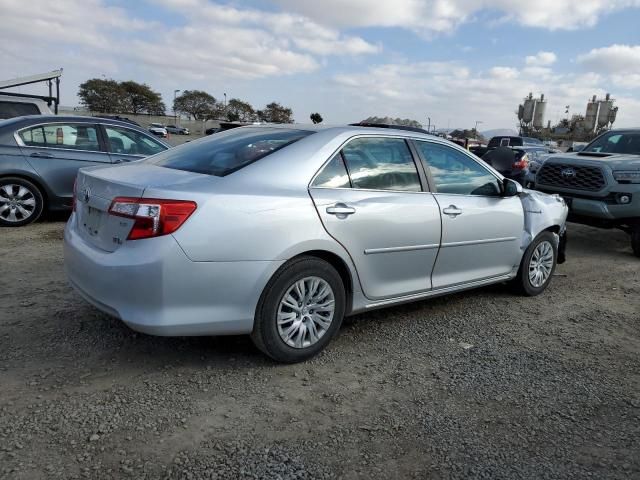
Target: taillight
<point>152,217</point>
<point>522,163</point>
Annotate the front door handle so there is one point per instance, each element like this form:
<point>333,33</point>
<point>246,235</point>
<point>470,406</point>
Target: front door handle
<point>122,160</point>
<point>340,210</point>
<point>41,155</point>
<point>452,211</point>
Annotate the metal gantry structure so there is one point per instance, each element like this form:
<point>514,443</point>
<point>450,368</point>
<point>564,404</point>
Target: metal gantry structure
<point>50,78</point>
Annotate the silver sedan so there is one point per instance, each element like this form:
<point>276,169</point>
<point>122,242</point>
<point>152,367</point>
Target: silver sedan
<point>279,232</point>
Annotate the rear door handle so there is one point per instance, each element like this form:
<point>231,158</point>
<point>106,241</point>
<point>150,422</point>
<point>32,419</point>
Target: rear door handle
<point>452,211</point>
<point>41,155</point>
<point>340,210</point>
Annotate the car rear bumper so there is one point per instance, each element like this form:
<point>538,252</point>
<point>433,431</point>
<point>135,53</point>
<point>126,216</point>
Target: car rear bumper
<point>154,288</point>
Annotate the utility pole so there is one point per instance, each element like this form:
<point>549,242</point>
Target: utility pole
<point>476,127</point>
<point>429,125</point>
<point>175,115</point>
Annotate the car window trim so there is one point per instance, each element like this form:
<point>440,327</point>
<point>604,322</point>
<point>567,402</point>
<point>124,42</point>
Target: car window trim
<point>424,186</point>
<point>478,161</point>
<point>18,138</point>
<point>103,128</point>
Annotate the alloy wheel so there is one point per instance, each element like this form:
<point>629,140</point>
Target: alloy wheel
<point>541,264</point>
<point>17,203</point>
<point>305,312</point>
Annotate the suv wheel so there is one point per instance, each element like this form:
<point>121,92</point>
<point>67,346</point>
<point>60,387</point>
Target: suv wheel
<point>537,265</point>
<point>300,311</point>
<point>635,240</point>
<point>21,202</point>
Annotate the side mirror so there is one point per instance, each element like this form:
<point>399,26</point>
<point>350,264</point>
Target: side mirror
<point>511,188</point>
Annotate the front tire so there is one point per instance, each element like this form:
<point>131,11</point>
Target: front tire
<point>21,202</point>
<point>300,310</point>
<point>537,265</point>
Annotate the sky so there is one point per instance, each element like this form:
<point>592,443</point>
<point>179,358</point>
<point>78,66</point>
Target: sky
<point>453,61</point>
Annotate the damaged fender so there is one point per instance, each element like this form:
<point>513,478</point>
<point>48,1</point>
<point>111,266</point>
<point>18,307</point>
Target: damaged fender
<point>544,212</point>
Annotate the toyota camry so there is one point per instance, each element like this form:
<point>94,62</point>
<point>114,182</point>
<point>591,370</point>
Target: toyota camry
<point>281,231</point>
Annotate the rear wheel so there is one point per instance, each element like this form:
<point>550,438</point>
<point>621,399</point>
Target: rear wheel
<point>300,310</point>
<point>21,202</point>
<point>537,265</point>
<point>635,240</point>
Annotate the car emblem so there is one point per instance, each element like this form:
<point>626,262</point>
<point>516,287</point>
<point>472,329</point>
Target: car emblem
<point>568,172</point>
<point>86,195</point>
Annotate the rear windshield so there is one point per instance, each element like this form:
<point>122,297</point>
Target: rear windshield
<point>613,142</point>
<point>17,109</point>
<point>225,152</point>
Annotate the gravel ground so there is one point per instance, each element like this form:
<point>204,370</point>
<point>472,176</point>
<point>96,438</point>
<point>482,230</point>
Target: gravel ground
<point>482,384</point>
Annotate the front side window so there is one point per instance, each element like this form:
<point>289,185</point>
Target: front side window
<point>333,175</point>
<point>125,141</point>
<point>456,173</point>
<point>381,164</point>
<point>73,137</point>
<point>228,151</point>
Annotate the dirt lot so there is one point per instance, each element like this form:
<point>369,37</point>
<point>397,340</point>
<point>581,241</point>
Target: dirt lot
<point>550,387</point>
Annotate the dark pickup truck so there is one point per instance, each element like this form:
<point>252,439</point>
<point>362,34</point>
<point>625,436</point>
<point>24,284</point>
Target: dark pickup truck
<point>601,183</point>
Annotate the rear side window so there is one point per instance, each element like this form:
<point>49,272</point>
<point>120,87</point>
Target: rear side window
<point>228,151</point>
<point>333,175</point>
<point>74,137</point>
<point>381,164</point>
<point>17,109</point>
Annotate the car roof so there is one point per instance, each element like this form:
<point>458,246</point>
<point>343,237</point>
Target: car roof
<point>27,120</point>
<point>353,129</point>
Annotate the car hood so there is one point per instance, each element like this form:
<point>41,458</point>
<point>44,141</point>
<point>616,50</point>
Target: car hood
<point>614,161</point>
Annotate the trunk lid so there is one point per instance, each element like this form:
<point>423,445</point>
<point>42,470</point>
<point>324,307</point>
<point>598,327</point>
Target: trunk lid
<point>97,187</point>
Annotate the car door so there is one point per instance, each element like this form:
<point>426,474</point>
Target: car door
<point>57,150</point>
<point>128,145</point>
<point>481,229</point>
<point>371,199</point>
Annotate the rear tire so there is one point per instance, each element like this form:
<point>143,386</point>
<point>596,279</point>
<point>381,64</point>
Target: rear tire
<point>635,240</point>
<point>21,202</point>
<point>300,310</point>
<point>537,265</point>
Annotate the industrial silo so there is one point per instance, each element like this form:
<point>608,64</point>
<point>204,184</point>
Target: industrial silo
<point>528,109</point>
<point>591,117</point>
<point>606,106</point>
<point>538,116</point>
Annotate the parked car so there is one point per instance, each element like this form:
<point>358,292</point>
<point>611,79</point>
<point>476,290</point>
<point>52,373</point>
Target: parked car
<point>512,163</point>
<point>11,107</point>
<point>158,130</point>
<point>177,130</point>
<point>536,157</point>
<point>511,141</point>
<point>601,183</point>
<point>279,232</point>
<point>40,156</point>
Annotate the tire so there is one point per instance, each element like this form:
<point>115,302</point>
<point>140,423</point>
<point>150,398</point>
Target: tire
<point>282,340</point>
<point>543,246</point>
<point>21,202</point>
<point>635,240</point>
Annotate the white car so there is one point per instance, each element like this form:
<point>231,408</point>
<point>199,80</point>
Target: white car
<point>158,130</point>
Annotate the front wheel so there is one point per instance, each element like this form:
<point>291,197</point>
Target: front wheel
<point>537,265</point>
<point>300,311</point>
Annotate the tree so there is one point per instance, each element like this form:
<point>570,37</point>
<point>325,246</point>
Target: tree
<point>275,113</point>
<point>239,111</point>
<point>101,95</point>
<point>139,98</point>
<point>198,104</point>
<point>316,118</point>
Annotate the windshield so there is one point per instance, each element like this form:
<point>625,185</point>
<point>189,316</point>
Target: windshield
<point>225,152</point>
<point>613,142</point>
